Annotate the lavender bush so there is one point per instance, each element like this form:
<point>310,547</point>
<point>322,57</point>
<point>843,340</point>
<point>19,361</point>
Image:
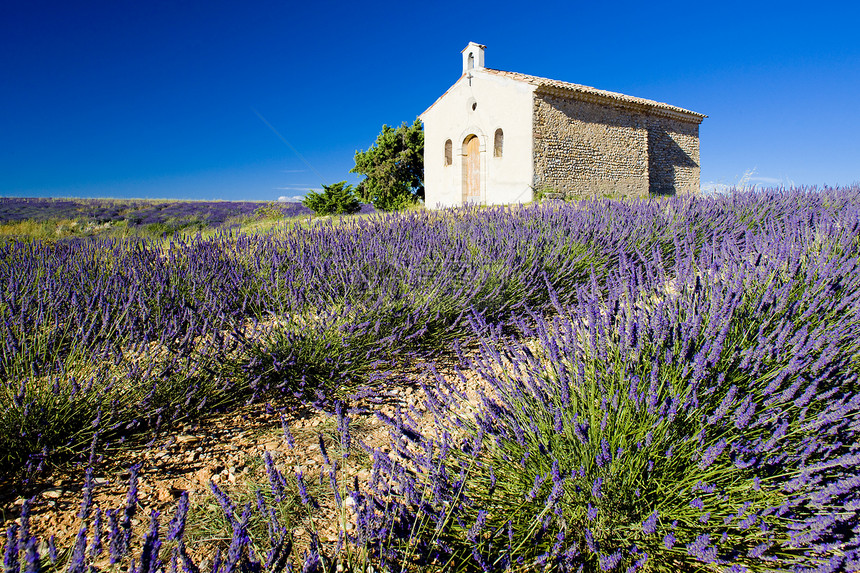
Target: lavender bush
<point>700,413</point>
<point>192,323</point>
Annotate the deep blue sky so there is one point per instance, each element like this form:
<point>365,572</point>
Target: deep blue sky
<point>156,98</point>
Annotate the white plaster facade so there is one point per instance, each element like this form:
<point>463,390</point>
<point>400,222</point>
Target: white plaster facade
<point>557,136</point>
<point>479,104</point>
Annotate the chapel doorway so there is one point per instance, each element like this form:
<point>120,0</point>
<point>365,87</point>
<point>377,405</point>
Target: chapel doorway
<point>471,170</point>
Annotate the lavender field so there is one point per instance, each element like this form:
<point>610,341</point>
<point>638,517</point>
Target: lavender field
<point>89,217</point>
<point>666,384</point>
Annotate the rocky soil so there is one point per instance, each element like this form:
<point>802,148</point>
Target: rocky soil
<point>227,449</point>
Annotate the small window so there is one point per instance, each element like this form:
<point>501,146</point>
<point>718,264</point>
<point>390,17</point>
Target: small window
<point>471,61</point>
<point>448,153</point>
<point>498,142</point>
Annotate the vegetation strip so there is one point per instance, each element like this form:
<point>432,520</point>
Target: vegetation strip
<point>666,383</point>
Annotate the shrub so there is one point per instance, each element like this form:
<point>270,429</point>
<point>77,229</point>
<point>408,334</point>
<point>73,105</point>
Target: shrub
<point>269,211</point>
<point>702,420</point>
<point>336,199</point>
<point>393,168</point>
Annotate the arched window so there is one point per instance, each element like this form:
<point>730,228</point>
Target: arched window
<point>498,142</point>
<point>471,61</point>
<point>448,153</point>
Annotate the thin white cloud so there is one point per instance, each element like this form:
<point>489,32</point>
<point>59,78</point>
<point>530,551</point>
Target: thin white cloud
<point>766,179</point>
<point>294,187</point>
<point>712,187</point>
<point>285,199</point>
<point>784,181</point>
<point>749,180</point>
<point>293,170</point>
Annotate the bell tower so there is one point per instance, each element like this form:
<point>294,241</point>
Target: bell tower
<point>473,57</point>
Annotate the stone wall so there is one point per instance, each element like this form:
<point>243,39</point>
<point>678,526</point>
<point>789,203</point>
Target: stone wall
<point>583,148</point>
<point>673,156</point>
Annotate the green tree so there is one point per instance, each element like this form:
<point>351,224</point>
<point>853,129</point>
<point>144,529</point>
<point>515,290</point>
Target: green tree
<point>393,168</point>
<point>336,199</point>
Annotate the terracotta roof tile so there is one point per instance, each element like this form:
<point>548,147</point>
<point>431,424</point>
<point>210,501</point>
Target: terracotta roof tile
<point>594,92</point>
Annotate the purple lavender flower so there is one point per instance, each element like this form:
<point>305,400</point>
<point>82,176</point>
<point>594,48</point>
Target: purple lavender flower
<point>52,550</point>
<point>555,472</point>
<point>669,540</point>
<point>610,562</point>
<point>240,543</point>
<point>149,561</point>
<point>121,531</point>
<point>604,456</point>
<point>759,550</point>
<point>343,428</point>
<point>723,409</point>
<point>10,558</point>
<point>712,453</point>
<point>475,531</point>
<point>176,529</point>
<point>581,431</point>
<point>323,450</point>
<point>538,482</point>
<point>596,488</point>
<point>224,501</point>
<point>276,481</point>
<point>31,555</point>
<point>115,536</point>
<point>590,542</point>
<point>96,546</point>
<point>649,526</point>
<point>86,503</point>
<point>702,550</point>
<point>303,491</point>
<point>77,562</point>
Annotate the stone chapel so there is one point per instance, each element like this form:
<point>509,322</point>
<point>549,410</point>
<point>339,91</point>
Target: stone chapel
<point>499,137</point>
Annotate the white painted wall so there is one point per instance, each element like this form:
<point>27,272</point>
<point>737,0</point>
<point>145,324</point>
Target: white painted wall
<point>500,103</point>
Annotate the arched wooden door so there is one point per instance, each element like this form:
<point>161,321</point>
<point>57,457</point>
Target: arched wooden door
<point>472,170</point>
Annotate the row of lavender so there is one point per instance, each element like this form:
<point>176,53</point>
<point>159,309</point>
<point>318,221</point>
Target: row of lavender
<point>109,337</point>
<point>683,407</point>
<point>138,212</point>
<point>112,338</point>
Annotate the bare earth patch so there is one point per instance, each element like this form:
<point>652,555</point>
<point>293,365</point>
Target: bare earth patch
<point>228,450</point>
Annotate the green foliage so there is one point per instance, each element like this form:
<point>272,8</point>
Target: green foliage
<point>393,168</point>
<point>172,226</point>
<point>268,211</point>
<point>544,193</point>
<point>336,199</point>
